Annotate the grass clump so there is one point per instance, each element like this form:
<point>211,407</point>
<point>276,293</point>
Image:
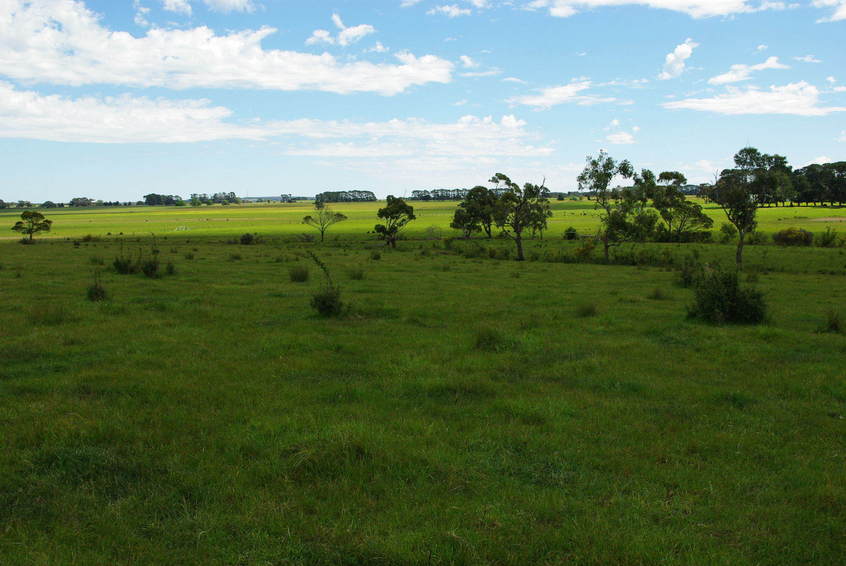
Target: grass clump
<point>327,302</point>
<point>587,310</point>
<point>298,273</point>
<point>490,339</point>
<point>356,274</point>
<point>96,292</point>
<point>658,294</point>
<point>375,256</point>
<point>719,298</point>
<point>832,324</point>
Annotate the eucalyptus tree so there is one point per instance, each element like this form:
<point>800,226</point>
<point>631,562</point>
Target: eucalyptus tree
<point>31,223</point>
<point>520,208</point>
<point>396,214</point>
<point>323,218</point>
<point>596,178</point>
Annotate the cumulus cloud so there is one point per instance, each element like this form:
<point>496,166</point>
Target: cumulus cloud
<point>62,42</point>
<point>27,114</point>
<point>839,6</point>
<point>694,8</point>
<point>737,73</point>
<point>179,6</point>
<point>800,99</point>
<point>574,92</point>
<point>346,35</point>
<point>674,63</point>
<point>450,11</point>
<point>807,59</point>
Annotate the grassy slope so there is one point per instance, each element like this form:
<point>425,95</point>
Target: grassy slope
<point>285,219</point>
<point>210,418</point>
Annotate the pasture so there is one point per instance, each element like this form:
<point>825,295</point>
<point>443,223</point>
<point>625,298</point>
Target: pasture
<point>285,219</point>
<point>465,410</point>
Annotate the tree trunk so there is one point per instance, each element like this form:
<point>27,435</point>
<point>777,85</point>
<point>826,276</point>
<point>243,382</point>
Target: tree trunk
<point>518,240</point>
<point>606,247</point>
<point>321,235</point>
<point>739,257</point>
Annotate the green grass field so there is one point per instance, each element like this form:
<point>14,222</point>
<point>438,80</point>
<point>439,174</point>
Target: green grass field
<point>285,219</point>
<point>465,411</point>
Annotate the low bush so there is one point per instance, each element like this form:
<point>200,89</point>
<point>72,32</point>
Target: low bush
<point>587,310</point>
<point>719,298</point>
<point>375,256</point>
<point>492,340</point>
<point>248,239</point>
<point>689,271</point>
<point>170,268</point>
<point>756,238</point>
<point>658,294</point>
<point>727,233</point>
<point>571,233</point>
<point>793,237</point>
<point>828,239</point>
<point>356,273</point>
<point>327,302</point>
<point>150,268</point>
<point>96,292</point>
<point>298,273</point>
<point>832,323</point>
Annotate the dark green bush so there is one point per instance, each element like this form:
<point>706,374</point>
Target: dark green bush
<point>327,302</point>
<point>756,238</point>
<point>570,233</point>
<point>96,292</point>
<point>125,265</point>
<point>492,340</point>
<point>150,268</point>
<point>828,239</point>
<point>298,273</point>
<point>793,237</point>
<point>689,271</point>
<point>587,310</point>
<point>374,255</point>
<point>248,239</point>
<point>719,298</point>
<point>832,324</point>
<point>356,273</point>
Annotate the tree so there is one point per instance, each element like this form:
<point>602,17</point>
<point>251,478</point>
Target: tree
<point>464,221</point>
<point>735,193</point>
<point>323,218</point>
<point>81,201</point>
<point>596,179</point>
<point>32,222</point>
<point>48,204</point>
<point>520,208</point>
<point>680,214</point>
<point>3,204</point>
<point>396,215</point>
<point>478,208</point>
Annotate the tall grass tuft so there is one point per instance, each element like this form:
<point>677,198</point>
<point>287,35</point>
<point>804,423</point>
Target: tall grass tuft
<point>832,324</point>
<point>96,292</point>
<point>298,273</point>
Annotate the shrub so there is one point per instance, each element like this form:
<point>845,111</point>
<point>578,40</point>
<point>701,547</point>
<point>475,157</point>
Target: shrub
<point>96,260</point>
<point>727,233</point>
<point>96,292</point>
<point>235,257</point>
<point>375,256</point>
<point>832,324</point>
<point>756,238</point>
<point>125,265</point>
<point>793,237</point>
<point>828,239</point>
<point>585,251</point>
<point>170,269</point>
<point>658,294</point>
<point>690,271</point>
<point>248,239</point>
<point>189,256</point>
<point>327,302</point>
<point>298,273</point>
<point>356,273</point>
<point>719,298</point>
<point>587,310</point>
<point>492,340</point>
<point>570,233</point>
<point>150,268</point>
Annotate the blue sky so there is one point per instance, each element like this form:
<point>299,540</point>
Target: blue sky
<point>114,99</point>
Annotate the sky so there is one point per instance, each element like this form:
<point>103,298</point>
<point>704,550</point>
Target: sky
<point>114,99</point>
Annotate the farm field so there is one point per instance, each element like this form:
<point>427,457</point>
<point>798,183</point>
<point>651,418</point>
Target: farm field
<point>285,219</point>
<point>465,410</point>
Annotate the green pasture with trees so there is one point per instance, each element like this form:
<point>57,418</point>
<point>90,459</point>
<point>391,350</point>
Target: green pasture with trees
<point>636,378</point>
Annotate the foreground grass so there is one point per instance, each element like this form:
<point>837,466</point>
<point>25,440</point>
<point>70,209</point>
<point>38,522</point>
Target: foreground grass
<point>464,412</point>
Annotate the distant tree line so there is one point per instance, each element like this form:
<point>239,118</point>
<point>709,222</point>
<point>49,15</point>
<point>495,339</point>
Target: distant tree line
<point>217,198</point>
<point>154,199</point>
<point>445,194</point>
<point>345,196</point>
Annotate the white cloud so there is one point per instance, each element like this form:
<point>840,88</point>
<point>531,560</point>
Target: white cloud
<point>555,95</point>
<point>800,99</point>
<point>180,6</point>
<point>694,8</point>
<point>839,9</point>
<point>346,35</point>
<point>468,62</point>
<point>762,47</point>
<point>230,5</point>
<point>831,80</point>
<point>377,48</point>
<point>674,62</point>
<point>62,42</point>
<point>450,11</point>
<point>807,59</point>
<point>129,119</point>
<point>821,160</point>
<point>513,80</point>
<point>740,72</point>
<point>620,138</point>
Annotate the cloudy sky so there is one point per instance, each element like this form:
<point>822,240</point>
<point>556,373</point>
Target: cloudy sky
<point>114,99</point>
